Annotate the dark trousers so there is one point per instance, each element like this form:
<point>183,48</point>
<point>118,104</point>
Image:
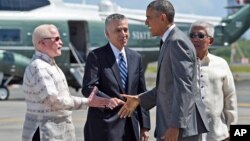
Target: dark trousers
<point>129,134</point>
<point>36,136</point>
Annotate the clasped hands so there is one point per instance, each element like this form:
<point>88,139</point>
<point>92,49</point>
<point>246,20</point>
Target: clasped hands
<point>128,107</point>
<point>101,102</point>
<point>132,101</point>
<point>114,102</point>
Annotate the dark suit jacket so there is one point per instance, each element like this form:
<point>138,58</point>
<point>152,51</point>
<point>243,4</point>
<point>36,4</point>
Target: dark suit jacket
<point>101,70</point>
<point>176,95</point>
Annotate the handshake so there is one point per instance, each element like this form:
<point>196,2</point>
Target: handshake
<point>127,109</point>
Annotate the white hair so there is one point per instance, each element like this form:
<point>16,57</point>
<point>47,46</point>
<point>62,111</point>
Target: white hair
<point>209,28</point>
<point>42,31</point>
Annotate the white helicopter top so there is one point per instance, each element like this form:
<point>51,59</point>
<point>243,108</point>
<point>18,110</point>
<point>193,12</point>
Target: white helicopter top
<point>58,10</point>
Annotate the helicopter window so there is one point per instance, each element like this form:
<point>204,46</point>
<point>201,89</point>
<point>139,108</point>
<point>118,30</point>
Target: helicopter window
<point>22,5</point>
<point>9,35</point>
<point>184,27</point>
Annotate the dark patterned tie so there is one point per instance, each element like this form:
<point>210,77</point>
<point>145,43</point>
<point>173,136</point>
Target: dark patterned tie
<point>123,70</point>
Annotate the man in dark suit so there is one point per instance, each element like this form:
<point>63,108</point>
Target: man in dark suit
<point>113,75</point>
<point>179,108</point>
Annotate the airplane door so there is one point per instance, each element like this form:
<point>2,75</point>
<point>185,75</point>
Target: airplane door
<point>78,39</point>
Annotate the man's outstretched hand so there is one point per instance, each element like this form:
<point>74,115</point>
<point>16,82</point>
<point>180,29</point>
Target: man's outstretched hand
<point>96,101</point>
<point>129,107</point>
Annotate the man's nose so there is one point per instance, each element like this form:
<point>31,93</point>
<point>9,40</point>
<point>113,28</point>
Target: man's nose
<point>60,42</point>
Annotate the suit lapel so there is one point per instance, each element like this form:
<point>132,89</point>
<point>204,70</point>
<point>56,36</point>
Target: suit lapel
<point>130,68</point>
<point>114,66</point>
<point>164,48</point>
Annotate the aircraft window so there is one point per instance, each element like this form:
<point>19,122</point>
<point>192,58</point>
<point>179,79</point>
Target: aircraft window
<point>184,27</point>
<point>22,5</point>
<point>9,35</point>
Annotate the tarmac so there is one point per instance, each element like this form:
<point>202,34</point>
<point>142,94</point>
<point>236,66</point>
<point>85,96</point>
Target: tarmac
<point>13,110</point>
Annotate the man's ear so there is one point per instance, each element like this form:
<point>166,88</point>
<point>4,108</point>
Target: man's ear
<point>106,33</point>
<point>41,45</point>
<point>164,17</point>
<point>211,40</point>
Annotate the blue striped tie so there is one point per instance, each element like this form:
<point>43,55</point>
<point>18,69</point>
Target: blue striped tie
<point>123,70</point>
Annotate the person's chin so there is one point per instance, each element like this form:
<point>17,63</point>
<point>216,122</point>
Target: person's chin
<point>153,33</point>
<point>59,53</point>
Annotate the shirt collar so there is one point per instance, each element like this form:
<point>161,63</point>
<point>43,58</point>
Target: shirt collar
<point>44,57</point>
<point>167,32</point>
<point>117,51</point>
<point>206,60</point>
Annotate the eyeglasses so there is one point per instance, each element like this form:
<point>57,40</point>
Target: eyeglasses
<point>55,38</point>
<point>197,35</point>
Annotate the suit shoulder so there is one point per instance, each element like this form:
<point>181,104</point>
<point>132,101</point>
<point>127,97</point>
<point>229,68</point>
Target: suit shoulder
<point>179,36</point>
<point>99,49</point>
<point>133,52</point>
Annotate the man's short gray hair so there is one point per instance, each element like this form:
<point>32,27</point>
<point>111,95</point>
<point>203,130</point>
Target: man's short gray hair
<point>114,16</point>
<point>209,28</point>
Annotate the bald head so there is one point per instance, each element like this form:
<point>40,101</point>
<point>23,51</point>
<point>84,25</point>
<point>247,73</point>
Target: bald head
<point>43,31</point>
<point>46,39</point>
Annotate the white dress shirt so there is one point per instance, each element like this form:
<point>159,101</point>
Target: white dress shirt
<point>219,95</point>
<point>116,52</point>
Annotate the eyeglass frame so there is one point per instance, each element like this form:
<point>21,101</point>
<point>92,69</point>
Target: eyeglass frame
<point>57,38</point>
<point>198,35</point>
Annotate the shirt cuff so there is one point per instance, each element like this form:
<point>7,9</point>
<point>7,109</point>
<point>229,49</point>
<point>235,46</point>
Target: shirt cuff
<point>85,102</point>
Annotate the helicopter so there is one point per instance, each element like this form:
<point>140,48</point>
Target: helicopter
<point>82,29</point>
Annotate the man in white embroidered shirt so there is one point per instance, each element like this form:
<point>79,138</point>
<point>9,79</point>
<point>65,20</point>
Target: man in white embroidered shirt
<point>49,103</point>
<point>216,84</point>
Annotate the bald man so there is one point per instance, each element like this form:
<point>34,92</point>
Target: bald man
<point>49,103</point>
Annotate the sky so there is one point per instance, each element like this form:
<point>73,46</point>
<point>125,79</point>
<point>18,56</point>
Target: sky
<point>198,7</point>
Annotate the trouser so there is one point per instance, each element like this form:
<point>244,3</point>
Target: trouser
<point>129,134</point>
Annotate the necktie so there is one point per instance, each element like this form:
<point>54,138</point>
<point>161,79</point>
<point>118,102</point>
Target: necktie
<point>123,70</point>
<point>161,43</point>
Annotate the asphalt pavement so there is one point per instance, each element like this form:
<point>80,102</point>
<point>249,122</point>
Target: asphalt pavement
<point>12,111</point>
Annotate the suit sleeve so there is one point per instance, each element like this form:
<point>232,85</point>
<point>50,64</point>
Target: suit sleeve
<point>144,115</point>
<point>91,76</point>
<point>183,65</point>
